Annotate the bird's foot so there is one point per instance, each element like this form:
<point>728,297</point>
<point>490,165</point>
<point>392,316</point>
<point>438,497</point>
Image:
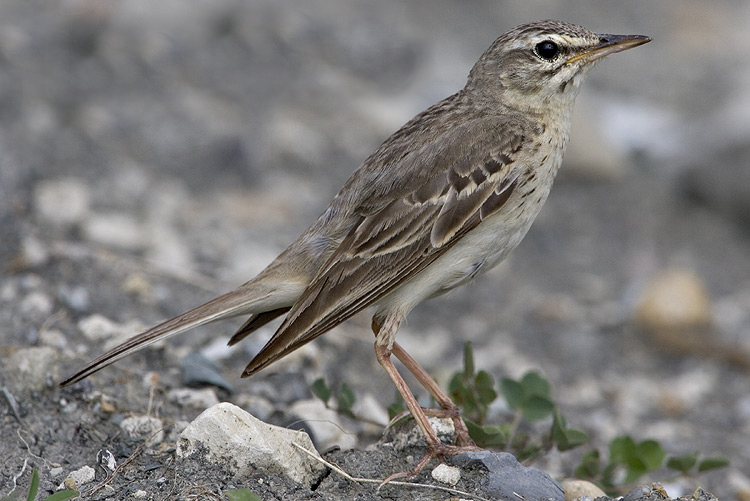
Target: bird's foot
<point>439,452</point>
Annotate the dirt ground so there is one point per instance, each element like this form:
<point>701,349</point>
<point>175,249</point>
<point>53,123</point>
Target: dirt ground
<point>153,155</point>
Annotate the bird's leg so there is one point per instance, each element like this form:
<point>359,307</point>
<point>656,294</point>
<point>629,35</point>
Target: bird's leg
<point>384,346</point>
<point>450,409</point>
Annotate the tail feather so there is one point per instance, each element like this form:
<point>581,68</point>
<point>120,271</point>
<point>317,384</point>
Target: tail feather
<point>256,322</point>
<point>238,302</point>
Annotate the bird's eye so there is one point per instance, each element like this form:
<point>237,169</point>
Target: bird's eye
<point>547,50</point>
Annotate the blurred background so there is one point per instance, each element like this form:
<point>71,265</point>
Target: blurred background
<point>153,154</point>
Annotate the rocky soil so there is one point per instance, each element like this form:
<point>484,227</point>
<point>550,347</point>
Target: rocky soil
<point>155,154</point>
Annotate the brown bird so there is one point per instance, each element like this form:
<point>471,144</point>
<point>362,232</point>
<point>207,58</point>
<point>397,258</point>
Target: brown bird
<point>442,200</point>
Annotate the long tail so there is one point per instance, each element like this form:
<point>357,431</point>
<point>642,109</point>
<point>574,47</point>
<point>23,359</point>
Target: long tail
<point>244,300</point>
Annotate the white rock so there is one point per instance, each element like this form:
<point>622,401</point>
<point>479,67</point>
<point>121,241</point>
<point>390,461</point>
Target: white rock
<point>575,489</point>
<point>246,444</point>
<point>62,201</point>
<point>449,475</point>
<point>326,424</point>
<point>140,494</point>
<point>189,397</point>
<point>117,230</point>
<point>146,427</point>
<point>29,367</point>
<point>79,477</point>
<point>36,304</point>
<point>98,327</point>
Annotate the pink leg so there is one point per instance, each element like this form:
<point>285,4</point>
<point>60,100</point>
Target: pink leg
<point>384,346</point>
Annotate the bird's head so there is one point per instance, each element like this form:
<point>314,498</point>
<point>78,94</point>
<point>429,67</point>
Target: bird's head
<point>542,61</point>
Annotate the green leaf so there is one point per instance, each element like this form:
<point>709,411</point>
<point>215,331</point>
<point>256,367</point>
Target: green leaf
<point>242,495</point>
<point>621,449</point>
<point>513,392</point>
<point>486,436</point>
<point>62,495</point>
<point>346,399</point>
<point>576,438</point>
<point>536,407</point>
<point>713,463</point>
<point>534,384</point>
<point>651,453</point>
<point>485,388</point>
<point>321,390</point>
<point>684,463</point>
<point>34,487</point>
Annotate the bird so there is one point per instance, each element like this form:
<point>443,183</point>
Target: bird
<point>440,202</point>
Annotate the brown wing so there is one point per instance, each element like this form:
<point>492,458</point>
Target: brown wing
<point>403,236</point>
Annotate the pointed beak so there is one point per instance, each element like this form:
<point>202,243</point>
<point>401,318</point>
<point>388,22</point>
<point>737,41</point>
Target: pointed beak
<point>609,44</point>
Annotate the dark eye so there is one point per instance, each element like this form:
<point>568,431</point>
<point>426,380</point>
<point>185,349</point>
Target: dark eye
<point>547,50</point>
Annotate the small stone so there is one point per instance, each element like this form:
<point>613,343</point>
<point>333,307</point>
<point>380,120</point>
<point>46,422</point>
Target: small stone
<point>575,489</point>
<point>189,397</point>
<point>675,310</point>
<point>258,406</point>
<point>675,299</point>
<point>107,407</point>
<point>449,475</point>
<point>199,370</point>
<point>406,433</point>
<point>36,305</point>
<point>245,445</point>
<point>116,230</point>
<point>53,337</point>
<point>140,494</point>
<point>62,201</point>
<point>77,478</point>
<point>508,479</point>
<point>145,427</point>
<point>29,367</point>
<point>100,328</point>
<point>325,424</point>
<point>56,471</point>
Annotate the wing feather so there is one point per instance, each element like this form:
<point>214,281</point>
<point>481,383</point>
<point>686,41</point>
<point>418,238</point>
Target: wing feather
<point>401,232</point>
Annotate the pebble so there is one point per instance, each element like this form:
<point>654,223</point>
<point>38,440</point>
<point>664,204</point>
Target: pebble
<point>36,304</point>
<point>199,370</point>
<point>676,311</point>
<point>449,475</point>
<point>258,406</point>
<point>508,479</point>
<point>675,298</point>
<point>189,397</point>
<point>62,201</point>
<point>245,444</point>
<point>145,427</point>
<point>77,478</point>
<point>30,367</point>
<point>116,230</point>
<point>575,488</point>
<point>325,424</point>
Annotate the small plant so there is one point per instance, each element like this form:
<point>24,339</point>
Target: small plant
<point>630,460</point>
<point>242,495</point>
<point>344,396</point>
<point>530,399</point>
<point>34,490</point>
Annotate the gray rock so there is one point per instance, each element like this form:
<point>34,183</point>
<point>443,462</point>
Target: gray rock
<point>245,444</point>
<point>146,427</point>
<point>62,201</point>
<point>30,367</point>
<point>198,370</point>
<point>189,397</point>
<point>508,479</point>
